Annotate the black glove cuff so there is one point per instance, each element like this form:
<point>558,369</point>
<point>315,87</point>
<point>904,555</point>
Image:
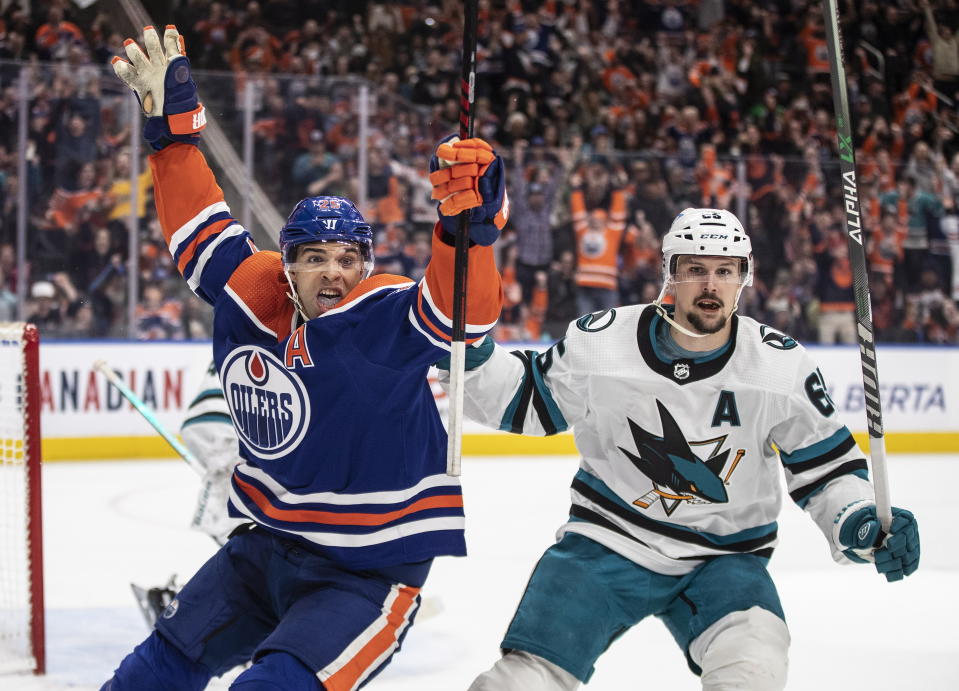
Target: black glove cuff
<point>450,239</point>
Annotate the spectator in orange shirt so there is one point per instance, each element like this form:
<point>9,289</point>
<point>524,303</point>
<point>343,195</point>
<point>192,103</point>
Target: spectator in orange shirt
<point>600,234</point>
<point>382,191</point>
<point>56,35</point>
<point>884,246</point>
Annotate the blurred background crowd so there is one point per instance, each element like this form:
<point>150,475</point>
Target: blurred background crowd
<point>613,116</point>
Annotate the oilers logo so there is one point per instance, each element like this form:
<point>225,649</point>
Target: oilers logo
<point>269,405</point>
<point>593,244</point>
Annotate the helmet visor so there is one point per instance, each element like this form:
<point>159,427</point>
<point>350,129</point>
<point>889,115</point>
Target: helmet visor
<point>339,254</point>
<point>699,275</point>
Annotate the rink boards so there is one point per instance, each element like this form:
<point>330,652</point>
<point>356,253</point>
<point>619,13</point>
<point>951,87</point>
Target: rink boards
<point>83,417</point>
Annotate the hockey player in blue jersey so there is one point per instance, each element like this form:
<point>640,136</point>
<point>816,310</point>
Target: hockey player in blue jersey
<point>686,417</point>
<point>342,480</point>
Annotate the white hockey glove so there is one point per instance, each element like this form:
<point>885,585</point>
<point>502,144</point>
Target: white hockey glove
<point>164,85</point>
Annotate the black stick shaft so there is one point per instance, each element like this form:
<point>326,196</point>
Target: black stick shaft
<point>857,258</point>
<point>461,255</point>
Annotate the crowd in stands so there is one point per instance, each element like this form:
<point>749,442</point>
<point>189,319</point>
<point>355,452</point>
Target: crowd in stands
<point>612,115</point>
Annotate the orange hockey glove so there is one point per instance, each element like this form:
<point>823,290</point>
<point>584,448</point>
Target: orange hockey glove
<point>467,174</point>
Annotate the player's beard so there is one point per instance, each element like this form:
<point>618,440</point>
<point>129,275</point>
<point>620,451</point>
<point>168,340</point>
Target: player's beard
<point>701,325</point>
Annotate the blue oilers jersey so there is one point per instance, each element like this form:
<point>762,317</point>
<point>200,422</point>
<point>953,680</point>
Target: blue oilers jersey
<point>341,442</point>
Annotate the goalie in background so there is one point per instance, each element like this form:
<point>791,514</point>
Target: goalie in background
<point>209,434</point>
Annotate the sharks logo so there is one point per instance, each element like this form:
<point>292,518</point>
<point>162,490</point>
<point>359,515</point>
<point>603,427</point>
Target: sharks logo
<point>776,339</point>
<point>679,474</point>
<point>596,321</point>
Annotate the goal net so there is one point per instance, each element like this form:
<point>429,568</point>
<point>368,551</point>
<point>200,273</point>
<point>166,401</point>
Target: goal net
<point>21,544</point>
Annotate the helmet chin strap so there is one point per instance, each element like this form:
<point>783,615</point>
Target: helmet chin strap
<point>658,304</point>
<point>294,296</point>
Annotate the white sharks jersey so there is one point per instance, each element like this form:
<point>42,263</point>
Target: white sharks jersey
<point>681,459</point>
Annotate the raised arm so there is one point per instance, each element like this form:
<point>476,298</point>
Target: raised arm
<point>466,175</point>
<point>205,240</point>
<point>522,391</point>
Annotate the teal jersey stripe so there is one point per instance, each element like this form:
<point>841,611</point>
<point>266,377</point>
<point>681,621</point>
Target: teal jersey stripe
<point>556,416</point>
<point>206,394</point>
<point>506,424</point>
<point>817,449</point>
<point>221,418</point>
<point>533,391</point>
<point>719,540</point>
<point>801,503</point>
<point>476,355</point>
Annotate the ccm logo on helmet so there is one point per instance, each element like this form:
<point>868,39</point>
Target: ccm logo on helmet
<point>269,405</point>
<point>713,236</point>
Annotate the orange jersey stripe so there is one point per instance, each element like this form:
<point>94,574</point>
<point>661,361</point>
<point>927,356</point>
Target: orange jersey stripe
<point>426,320</point>
<point>188,185</point>
<point>190,250</point>
<point>334,518</point>
<point>371,284</point>
<point>347,677</point>
<point>435,329</point>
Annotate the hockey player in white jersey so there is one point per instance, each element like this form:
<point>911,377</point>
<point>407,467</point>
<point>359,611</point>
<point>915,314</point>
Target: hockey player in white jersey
<point>678,412</point>
<point>208,432</point>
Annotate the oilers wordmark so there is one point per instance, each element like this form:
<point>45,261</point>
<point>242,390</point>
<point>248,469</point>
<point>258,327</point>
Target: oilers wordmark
<point>266,415</point>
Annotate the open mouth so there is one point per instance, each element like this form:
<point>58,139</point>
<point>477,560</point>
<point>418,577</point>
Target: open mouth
<point>709,305</point>
<point>328,297</point>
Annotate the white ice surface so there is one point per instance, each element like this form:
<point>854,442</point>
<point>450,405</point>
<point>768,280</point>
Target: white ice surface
<point>109,524</point>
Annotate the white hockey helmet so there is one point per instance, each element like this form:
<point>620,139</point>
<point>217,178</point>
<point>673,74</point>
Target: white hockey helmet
<point>707,233</point>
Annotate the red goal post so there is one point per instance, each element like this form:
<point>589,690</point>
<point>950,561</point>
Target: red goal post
<point>22,645</point>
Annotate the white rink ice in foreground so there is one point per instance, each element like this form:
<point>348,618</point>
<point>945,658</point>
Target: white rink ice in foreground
<point>109,524</point>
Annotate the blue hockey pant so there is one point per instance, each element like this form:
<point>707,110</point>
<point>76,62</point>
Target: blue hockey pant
<point>303,619</point>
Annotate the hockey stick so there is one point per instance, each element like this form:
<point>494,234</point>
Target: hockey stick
<point>149,416</point>
<point>857,259</point>
<point>454,445</point>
